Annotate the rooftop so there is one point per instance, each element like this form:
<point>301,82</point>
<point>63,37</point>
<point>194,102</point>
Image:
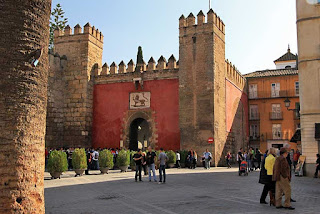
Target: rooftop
<point>272,73</point>
<point>287,57</point>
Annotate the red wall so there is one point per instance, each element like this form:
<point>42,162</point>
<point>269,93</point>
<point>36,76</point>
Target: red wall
<point>233,94</point>
<point>111,102</point>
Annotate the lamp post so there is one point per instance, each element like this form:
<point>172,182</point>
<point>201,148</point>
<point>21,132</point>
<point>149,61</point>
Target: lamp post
<point>287,103</point>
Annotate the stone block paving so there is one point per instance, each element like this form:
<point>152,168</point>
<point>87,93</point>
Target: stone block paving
<point>187,191</point>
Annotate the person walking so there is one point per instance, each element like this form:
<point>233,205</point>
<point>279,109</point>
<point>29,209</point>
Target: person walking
<point>228,159</point>
<point>162,169</point>
<point>144,163</point>
<point>266,177</point>
<point>138,160</point>
<point>296,156</point>
<point>258,159</point>
<point>281,175</point>
<point>240,157</point>
<point>195,159</point>
<point>89,160</point>
<point>317,166</point>
<point>151,155</point>
<point>207,158</point>
<point>178,165</point>
<point>190,158</point>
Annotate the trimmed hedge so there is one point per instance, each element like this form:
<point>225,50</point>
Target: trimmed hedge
<point>57,162</point>
<point>106,159</point>
<point>79,159</point>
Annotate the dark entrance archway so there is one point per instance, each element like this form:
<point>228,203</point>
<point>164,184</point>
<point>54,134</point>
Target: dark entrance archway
<point>139,132</point>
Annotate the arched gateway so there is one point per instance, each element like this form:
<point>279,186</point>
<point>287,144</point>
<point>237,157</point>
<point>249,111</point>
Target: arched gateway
<point>139,126</point>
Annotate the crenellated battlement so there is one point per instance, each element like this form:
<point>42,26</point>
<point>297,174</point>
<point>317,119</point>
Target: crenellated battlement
<point>130,67</point>
<point>188,25</point>
<point>57,62</point>
<point>233,74</point>
<point>87,30</point>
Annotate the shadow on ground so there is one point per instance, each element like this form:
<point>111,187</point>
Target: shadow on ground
<point>223,192</point>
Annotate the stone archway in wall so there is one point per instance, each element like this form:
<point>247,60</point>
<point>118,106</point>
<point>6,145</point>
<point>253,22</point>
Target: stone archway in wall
<point>139,117</point>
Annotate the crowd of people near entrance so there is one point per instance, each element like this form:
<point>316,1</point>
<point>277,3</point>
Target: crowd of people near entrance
<point>191,160</point>
<point>276,168</point>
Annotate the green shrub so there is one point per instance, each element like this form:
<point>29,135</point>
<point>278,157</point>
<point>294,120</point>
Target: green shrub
<point>106,159</point>
<point>79,159</point>
<point>57,162</point>
<point>183,156</point>
<point>123,158</point>
<point>171,157</point>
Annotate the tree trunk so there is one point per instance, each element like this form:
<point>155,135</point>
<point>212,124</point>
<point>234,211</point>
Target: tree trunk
<point>24,28</point>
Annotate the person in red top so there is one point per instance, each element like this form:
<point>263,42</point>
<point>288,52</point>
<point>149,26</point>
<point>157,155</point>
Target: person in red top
<point>296,156</point>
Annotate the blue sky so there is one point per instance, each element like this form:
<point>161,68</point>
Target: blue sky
<point>257,31</point>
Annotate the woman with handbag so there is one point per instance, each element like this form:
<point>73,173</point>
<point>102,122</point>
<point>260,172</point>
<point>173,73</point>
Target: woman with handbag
<point>266,177</point>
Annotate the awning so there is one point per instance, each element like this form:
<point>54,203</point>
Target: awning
<point>296,137</point>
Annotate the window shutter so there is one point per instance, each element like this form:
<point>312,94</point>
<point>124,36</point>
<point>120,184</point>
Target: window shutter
<point>317,131</point>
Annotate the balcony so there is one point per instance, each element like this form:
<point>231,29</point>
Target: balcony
<point>276,115</point>
<point>255,116</point>
<point>277,136</point>
<point>254,138</point>
<point>269,95</point>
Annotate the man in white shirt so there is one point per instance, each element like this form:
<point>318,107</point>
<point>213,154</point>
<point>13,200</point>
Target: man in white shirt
<point>178,160</point>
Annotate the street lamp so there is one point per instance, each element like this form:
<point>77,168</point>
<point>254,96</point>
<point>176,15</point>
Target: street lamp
<point>287,103</point>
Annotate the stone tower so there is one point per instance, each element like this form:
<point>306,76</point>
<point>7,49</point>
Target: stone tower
<point>202,83</point>
<point>69,120</point>
<point>308,25</point>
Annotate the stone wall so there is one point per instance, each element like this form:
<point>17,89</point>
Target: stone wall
<point>83,51</point>
<point>308,28</point>
<point>197,79</point>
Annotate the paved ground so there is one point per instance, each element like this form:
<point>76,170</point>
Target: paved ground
<point>187,191</point>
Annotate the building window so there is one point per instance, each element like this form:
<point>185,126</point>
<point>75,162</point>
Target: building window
<point>276,132</point>
<point>275,89</point>
<point>254,131</point>
<point>253,91</point>
<point>296,86</point>
<point>276,111</point>
<point>254,113</point>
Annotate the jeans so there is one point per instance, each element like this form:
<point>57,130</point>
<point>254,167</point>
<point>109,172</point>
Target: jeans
<point>228,163</point>
<point>162,169</point>
<point>207,163</point>
<point>249,165</point>
<point>138,170</point>
<point>152,167</point>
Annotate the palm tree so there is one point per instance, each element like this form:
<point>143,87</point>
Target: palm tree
<point>24,37</point>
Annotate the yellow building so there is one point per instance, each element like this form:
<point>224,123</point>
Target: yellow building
<point>271,123</point>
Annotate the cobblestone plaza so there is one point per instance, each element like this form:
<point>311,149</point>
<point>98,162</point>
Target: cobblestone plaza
<point>187,191</point>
